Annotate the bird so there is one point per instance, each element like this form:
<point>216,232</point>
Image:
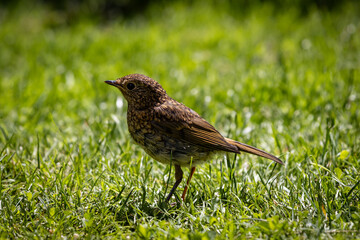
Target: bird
<point>172,133</point>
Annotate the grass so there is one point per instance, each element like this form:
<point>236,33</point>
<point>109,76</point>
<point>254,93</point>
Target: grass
<point>283,82</point>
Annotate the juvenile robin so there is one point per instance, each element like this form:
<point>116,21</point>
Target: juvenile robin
<point>170,132</point>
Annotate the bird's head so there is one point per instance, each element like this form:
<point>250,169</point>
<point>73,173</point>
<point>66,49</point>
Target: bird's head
<point>139,90</point>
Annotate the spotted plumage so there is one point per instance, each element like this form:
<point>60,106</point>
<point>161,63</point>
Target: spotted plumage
<point>169,131</point>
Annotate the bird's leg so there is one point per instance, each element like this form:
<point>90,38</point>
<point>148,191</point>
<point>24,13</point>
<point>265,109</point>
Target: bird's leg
<point>187,183</point>
<point>178,177</point>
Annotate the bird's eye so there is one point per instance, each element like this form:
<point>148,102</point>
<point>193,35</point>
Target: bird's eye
<point>130,86</point>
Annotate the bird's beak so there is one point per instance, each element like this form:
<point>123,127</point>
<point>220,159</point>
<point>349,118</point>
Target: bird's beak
<point>111,82</point>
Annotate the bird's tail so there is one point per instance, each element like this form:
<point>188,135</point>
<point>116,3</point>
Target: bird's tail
<point>253,150</point>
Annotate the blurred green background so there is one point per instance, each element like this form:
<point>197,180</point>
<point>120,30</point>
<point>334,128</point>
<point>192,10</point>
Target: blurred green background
<point>281,75</point>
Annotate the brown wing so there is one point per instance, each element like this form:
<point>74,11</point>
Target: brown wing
<point>180,122</point>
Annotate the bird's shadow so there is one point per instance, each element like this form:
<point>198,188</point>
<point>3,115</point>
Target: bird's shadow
<point>125,210</point>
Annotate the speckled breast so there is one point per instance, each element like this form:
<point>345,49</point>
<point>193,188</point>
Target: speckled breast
<point>162,147</point>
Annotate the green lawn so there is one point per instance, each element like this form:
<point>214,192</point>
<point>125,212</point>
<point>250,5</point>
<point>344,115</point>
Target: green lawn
<point>278,80</point>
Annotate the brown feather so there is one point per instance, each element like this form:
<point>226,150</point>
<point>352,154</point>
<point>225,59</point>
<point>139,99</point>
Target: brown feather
<point>253,150</point>
<point>189,126</point>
